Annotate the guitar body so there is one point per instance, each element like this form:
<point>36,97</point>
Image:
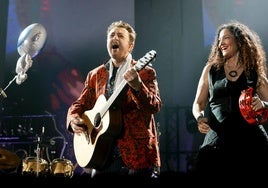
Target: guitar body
<point>93,147</point>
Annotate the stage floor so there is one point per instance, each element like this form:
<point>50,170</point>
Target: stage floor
<point>108,179</point>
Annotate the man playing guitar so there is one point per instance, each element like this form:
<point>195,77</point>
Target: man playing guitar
<point>119,134</point>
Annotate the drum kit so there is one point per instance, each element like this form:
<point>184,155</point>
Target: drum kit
<point>34,166</point>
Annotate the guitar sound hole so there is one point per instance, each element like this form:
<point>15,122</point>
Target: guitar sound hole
<point>97,120</point>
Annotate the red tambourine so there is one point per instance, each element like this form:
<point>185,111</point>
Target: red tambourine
<point>251,116</point>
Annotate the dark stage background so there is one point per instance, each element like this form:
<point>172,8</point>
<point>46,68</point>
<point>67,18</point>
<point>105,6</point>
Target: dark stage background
<point>181,31</point>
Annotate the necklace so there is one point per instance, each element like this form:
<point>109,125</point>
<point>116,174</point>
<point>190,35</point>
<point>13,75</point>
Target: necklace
<point>233,73</point>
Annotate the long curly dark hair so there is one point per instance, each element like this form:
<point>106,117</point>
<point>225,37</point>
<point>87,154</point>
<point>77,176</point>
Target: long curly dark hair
<point>252,55</point>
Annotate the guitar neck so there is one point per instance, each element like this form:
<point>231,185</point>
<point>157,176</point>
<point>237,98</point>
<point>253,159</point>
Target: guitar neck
<point>113,97</point>
<point>141,63</point>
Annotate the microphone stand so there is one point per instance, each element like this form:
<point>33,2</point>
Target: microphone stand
<point>21,73</point>
<point>38,151</point>
<point>37,156</point>
<point>2,91</point>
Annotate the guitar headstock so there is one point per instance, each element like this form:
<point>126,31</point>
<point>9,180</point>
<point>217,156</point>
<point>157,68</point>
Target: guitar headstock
<point>145,60</point>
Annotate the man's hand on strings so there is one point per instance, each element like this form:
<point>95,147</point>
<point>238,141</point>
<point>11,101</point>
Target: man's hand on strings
<point>78,125</point>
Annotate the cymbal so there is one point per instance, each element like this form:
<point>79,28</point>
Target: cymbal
<point>8,159</point>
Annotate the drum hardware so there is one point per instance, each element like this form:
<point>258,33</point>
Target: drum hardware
<point>16,140</point>
<point>37,157</point>
<point>23,131</point>
<point>36,165</point>
<point>21,153</point>
<point>19,131</point>
<point>38,153</point>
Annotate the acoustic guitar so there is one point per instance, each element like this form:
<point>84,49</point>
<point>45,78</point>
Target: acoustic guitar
<point>93,147</point>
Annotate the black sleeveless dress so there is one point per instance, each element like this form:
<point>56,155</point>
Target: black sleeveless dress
<point>233,146</point>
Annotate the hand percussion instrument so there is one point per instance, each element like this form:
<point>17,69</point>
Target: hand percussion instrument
<point>251,116</point>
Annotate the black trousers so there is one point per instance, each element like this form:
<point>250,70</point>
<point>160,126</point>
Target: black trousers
<point>117,167</point>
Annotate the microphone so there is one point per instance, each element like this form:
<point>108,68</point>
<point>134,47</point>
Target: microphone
<point>2,92</point>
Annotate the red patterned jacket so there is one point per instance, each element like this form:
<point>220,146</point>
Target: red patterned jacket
<point>138,144</point>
